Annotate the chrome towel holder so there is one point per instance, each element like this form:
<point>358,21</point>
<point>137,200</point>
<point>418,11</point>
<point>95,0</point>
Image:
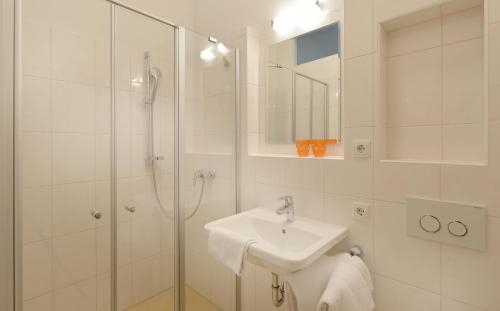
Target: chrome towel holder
<point>278,288</point>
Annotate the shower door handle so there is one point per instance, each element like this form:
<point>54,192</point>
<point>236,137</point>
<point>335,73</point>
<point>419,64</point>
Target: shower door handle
<point>96,214</point>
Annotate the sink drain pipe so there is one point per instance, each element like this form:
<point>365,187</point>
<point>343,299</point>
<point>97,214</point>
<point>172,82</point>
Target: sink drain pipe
<point>278,291</point>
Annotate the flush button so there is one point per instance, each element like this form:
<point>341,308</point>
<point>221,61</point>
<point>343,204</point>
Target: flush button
<point>430,224</point>
<point>457,228</point>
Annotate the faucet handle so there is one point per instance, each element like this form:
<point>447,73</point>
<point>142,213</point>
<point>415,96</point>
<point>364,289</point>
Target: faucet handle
<point>288,199</point>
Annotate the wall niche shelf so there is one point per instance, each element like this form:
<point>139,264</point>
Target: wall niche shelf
<point>432,85</point>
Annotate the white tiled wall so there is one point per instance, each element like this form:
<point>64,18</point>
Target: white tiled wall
<point>434,88</point>
<point>409,273</point>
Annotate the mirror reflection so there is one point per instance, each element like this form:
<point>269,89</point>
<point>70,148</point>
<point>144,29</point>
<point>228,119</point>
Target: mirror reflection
<point>303,87</point>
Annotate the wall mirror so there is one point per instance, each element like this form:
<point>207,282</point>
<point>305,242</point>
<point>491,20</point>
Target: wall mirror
<point>303,87</point>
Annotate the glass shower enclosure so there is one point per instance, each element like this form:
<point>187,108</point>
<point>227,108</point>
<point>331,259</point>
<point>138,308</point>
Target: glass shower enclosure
<point>127,142</point>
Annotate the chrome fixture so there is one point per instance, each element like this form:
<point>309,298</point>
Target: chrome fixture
<point>278,288</point>
<point>96,214</point>
<point>287,209</point>
<point>277,291</point>
<point>130,208</point>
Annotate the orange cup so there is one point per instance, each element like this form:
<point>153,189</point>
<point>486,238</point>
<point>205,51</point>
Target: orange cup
<point>319,147</point>
<point>303,147</point>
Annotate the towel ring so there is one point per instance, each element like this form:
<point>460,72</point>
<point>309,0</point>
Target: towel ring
<point>356,250</point>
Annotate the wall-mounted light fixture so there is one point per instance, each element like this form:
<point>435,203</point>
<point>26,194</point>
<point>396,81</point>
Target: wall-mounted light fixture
<point>304,13</point>
<point>207,54</point>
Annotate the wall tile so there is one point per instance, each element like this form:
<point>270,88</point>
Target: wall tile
<point>102,110</point>
<point>80,296</point>
<point>41,303</point>
<point>73,158</point>
<point>37,214</point>
<point>494,102</point>
<point>396,181</point>
<point>73,57</point>
<point>414,88</point>
<point>146,237</point>
<point>304,174</point>
<point>36,104</point>
<point>146,278</point>
<point>104,293</point>
<point>410,260</point>
<point>36,49</point>
<point>37,269</point>
<point>124,287</point>
<point>477,286</point>
<point>73,107</point>
<point>463,82</point>
<point>422,36</point>
<point>463,25</point>
<point>391,295</point>
<point>351,176</point>
<point>74,258</point>
<point>494,8</point>
<point>73,204</point>
<point>103,156</point>
<point>37,159</point>
<point>494,47</point>
<point>358,91</point>
<point>478,184</point>
<point>463,142</point>
<point>338,211</point>
<point>358,27</point>
<point>452,305</point>
<point>414,142</point>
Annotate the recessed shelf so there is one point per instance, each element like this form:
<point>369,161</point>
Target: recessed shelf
<point>292,156</point>
<point>431,85</point>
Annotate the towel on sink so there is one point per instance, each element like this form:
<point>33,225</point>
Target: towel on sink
<point>350,288</point>
<point>303,289</point>
<point>229,248</point>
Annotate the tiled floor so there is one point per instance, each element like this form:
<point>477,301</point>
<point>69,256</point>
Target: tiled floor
<point>164,301</point>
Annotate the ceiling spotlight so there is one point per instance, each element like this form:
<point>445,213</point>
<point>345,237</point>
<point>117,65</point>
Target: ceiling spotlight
<point>283,24</point>
<point>207,54</point>
<point>222,48</point>
<point>305,13</point>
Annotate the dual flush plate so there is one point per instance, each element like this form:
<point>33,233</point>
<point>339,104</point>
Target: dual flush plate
<point>451,223</point>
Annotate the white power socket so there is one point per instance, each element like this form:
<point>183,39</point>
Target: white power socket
<point>361,148</point>
<point>361,211</point>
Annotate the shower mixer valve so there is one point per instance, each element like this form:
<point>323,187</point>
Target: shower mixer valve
<point>210,174</point>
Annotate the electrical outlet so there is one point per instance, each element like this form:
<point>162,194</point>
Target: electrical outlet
<point>361,148</point>
<point>361,211</point>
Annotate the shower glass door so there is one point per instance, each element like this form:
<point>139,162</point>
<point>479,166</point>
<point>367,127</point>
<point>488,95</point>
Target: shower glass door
<point>208,167</point>
<point>144,61</point>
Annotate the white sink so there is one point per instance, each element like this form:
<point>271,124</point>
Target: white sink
<point>278,250</point>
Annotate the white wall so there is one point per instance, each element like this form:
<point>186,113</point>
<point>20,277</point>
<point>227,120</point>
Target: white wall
<point>410,274</point>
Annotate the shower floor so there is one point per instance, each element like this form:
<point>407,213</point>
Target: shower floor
<point>164,301</point>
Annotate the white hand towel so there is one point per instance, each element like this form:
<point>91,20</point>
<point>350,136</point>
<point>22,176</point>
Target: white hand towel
<point>229,248</point>
<point>304,288</point>
<point>349,288</point>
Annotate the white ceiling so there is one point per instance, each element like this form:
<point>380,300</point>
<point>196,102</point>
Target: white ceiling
<point>226,18</point>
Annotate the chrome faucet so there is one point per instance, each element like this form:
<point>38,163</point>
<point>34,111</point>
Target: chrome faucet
<point>287,209</point>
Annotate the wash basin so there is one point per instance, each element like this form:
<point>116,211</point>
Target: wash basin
<point>282,247</point>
